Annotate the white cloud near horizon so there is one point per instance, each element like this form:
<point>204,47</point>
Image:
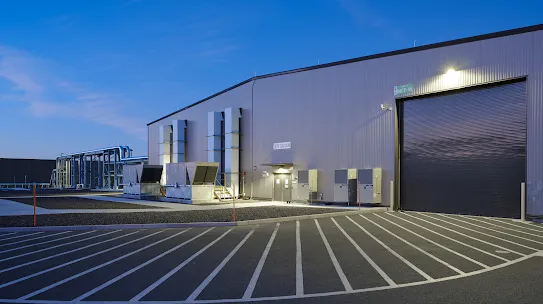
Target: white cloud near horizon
<point>33,81</point>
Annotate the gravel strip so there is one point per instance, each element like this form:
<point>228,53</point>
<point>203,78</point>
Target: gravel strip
<point>220,215</point>
<point>44,192</point>
<point>78,203</point>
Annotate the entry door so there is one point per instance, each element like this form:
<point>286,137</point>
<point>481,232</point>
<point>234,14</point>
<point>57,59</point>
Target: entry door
<point>282,187</point>
<point>465,151</point>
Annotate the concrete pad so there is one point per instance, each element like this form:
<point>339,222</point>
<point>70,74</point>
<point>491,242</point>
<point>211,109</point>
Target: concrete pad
<point>11,208</point>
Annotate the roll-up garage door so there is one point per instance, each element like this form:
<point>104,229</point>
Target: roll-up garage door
<point>464,151</point>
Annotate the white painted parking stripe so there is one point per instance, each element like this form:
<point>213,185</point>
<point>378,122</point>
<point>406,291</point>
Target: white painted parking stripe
<point>214,273</point>
<point>416,247</point>
<point>415,268</point>
<point>299,270</point>
<point>47,258</point>
<point>450,238</point>
<point>363,253</point>
<point>505,240</point>
<point>177,268</point>
<point>463,234</point>
<point>507,228</point>
<point>46,242</point>
<point>339,271</point>
<point>526,225</point>
<point>6,234</point>
<point>523,226</point>
<point>20,236</point>
<point>435,243</point>
<point>57,246</point>
<point>36,238</point>
<point>292,297</point>
<point>75,261</point>
<point>117,278</point>
<point>254,279</point>
<point>66,252</point>
<point>41,290</point>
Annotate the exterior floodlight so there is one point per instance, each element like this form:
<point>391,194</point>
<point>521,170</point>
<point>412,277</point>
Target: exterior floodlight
<point>451,77</point>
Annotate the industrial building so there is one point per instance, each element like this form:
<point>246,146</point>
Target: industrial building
<point>450,127</point>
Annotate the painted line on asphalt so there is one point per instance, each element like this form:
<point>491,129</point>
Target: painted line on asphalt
<point>6,234</point>
<point>505,240</point>
<point>214,273</point>
<point>460,233</point>
<point>522,224</point>
<point>254,279</point>
<point>339,271</point>
<point>20,236</point>
<point>151,287</point>
<point>507,228</point>
<point>56,246</point>
<point>437,244</point>
<point>365,255</point>
<point>36,238</point>
<point>117,278</point>
<point>299,270</point>
<point>452,239</point>
<point>291,297</point>
<point>415,268</point>
<point>46,242</point>
<point>63,253</point>
<point>41,290</point>
<point>416,247</point>
<point>72,262</point>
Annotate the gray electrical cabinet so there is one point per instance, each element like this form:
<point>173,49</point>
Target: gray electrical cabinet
<point>345,185</point>
<point>308,185</point>
<point>370,185</point>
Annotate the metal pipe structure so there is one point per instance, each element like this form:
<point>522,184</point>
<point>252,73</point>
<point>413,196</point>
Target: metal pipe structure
<point>94,169</point>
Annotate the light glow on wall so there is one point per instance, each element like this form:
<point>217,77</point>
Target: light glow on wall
<point>451,77</point>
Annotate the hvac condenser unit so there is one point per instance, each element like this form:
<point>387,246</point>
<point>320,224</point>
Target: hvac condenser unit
<point>345,186</point>
<point>192,182</point>
<point>308,185</point>
<point>370,185</point>
<point>141,181</point>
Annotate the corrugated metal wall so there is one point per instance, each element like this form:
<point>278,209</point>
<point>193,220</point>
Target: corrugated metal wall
<point>332,115</point>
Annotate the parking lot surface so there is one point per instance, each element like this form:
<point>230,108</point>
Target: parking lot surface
<point>310,259</point>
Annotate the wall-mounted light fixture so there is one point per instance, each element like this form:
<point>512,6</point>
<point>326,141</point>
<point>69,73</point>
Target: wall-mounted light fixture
<point>451,77</point>
<point>386,107</point>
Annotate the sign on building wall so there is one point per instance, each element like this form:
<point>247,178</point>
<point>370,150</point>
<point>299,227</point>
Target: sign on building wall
<point>404,89</point>
<point>281,145</point>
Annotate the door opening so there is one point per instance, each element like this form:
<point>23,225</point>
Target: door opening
<point>282,188</point>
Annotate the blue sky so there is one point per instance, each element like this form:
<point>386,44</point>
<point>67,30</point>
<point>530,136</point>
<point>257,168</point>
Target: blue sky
<point>77,75</point>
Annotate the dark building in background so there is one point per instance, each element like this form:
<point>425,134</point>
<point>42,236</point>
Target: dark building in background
<point>26,170</point>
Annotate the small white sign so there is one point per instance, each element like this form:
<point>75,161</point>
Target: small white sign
<point>281,146</point>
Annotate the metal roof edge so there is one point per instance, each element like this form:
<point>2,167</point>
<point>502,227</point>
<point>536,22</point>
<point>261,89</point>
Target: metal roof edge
<point>493,35</point>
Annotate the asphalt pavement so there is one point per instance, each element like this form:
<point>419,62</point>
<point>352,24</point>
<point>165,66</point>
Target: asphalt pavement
<point>385,257</point>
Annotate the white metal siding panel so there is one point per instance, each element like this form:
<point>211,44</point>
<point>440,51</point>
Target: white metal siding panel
<point>332,115</point>
<point>535,127</point>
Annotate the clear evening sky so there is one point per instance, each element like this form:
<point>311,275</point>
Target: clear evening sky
<point>78,75</point>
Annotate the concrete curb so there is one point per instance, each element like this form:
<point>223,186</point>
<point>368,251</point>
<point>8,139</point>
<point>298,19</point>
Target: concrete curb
<point>189,225</point>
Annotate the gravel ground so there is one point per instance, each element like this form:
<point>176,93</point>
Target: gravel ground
<point>221,215</point>
<point>77,203</point>
<point>41,192</point>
